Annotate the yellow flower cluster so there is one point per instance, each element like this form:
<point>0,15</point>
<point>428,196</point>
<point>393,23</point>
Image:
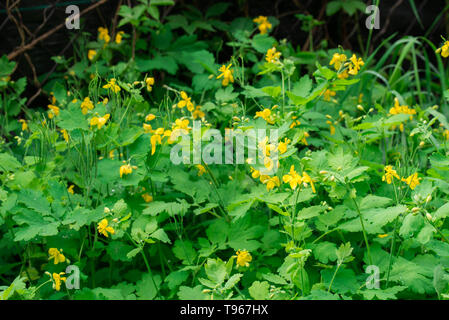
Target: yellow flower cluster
<point>341,60</point>
<point>91,54</point>
<point>412,181</point>
<point>328,94</point>
<point>103,34</point>
<point>57,280</point>
<point>86,105</point>
<point>99,121</point>
<point>104,228</point>
<point>112,85</point>
<point>398,109</point>
<point>263,24</point>
<point>294,179</point>
<point>266,115</point>
<point>282,147</point>
<point>272,55</point>
<point>53,112</point>
<point>243,258</point>
<point>55,254</point>
<point>149,82</point>
<point>226,73</point>
<point>186,101</point>
<point>444,50</point>
<point>119,36</point>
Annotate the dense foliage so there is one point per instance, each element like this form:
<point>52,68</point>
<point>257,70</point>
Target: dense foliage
<point>353,189</point>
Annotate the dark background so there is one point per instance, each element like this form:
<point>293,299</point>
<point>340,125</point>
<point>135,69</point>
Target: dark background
<point>396,16</point>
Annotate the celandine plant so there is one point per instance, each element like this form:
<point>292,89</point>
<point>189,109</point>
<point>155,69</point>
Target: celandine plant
<point>158,171</point>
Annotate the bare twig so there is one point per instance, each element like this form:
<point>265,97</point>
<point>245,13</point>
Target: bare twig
<point>30,45</point>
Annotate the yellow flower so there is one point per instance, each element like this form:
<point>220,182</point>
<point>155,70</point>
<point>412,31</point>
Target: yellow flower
<point>343,75</point>
<point>125,169</point>
<point>186,101</point>
<point>272,55</point>
<point>155,138</point>
<point>150,117</point>
<point>70,189</point>
<point>331,127</point>
<point>304,138</point>
<point>103,34</point>
<point>444,50</point>
<point>243,258</point>
<point>292,178</point>
<point>112,85</point>
<point>99,121</point>
<point>382,235</point>
<point>398,109</point>
<point>265,147</point>
<point>255,173</point>
<point>91,54</point>
<point>266,115</point>
<point>181,124</point>
<point>150,83</point>
<point>86,105</point>
<point>103,228</point>
<point>147,197</point>
<point>263,23</point>
<point>226,73</point>
<point>53,112</point>
<point>56,255</point>
<point>147,127</point>
<point>118,37</point>
<point>201,169</point>
<point>412,181</point>
<point>307,179</point>
<point>355,65</point>
<point>198,113</point>
<point>390,173</point>
<point>268,163</point>
<point>328,94</point>
<point>271,182</point>
<point>58,278</point>
<point>338,60</point>
<point>282,147</point>
<point>24,124</point>
<point>295,123</point>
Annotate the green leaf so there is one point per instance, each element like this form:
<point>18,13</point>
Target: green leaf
<point>215,270</point>
<point>183,250</point>
<point>34,200</point>
<point>259,290</point>
<point>72,119</point>
<point>146,289</point>
<point>166,63</point>
<point>262,42</point>
<point>8,163</point>
<point>160,235</point>
<point>344,282</point>
<point>233,281</point>
<point>195,293</point>
<point>325,252</point>
<point>35,225</point>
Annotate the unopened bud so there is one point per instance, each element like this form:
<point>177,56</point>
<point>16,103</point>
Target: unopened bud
<point>360,107</point>
<point>428,216</point>
<point>428,198</point>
